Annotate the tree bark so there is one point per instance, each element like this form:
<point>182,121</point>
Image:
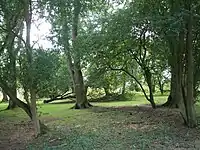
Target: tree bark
<point>81,98</point>
<point>161,86</point>
<point>31,85</point>
<point>5,97</point>
<point>106,90</point>
<point>124,88</point>
<point>35,118</point>
<point>190,110</point>
<point>11,104</point>
<point>148,77</point>
<point>171,101</point>
<point>12,64</point>
<point>124,84</point>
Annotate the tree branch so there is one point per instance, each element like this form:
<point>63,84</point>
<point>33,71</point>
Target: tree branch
<point>128,73</point>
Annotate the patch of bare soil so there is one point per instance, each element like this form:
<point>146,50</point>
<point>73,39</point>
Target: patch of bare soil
<point>149,119</point>
<point>15,136</point>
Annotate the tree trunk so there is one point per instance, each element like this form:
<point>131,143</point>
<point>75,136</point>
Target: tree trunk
<point>171,101</point>
<point>148,77</point>
<point>106,90</point>
<point>81,98</point>
<point>124,88</point>
<point>35,118</point>
<point>12,68</point>
<point>190,110</point>
<point>161,86</point>
<point>31,84</point>
<point>5,97</point>
<point>11,105</point>
<point>19,103</point>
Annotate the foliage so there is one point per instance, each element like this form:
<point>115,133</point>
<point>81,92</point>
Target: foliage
<point>50,73</point>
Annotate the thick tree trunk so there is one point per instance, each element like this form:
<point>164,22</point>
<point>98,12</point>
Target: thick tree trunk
<point>171,101</point>
<point>81,98</point>
<point>190,110</point>
<point>182,72</point>
<point>12,103</point>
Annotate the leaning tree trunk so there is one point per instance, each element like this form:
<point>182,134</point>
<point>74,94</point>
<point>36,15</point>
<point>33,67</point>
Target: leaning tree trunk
<point>19,103</point>
<point>11,104</point>
<point>12,68</point>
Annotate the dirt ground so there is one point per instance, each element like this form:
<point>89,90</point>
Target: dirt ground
<point>15,135</point>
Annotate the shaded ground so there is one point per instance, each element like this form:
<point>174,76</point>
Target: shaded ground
<point>101,127</point>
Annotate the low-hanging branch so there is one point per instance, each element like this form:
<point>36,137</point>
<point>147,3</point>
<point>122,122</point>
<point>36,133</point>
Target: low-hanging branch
<point>128,73</point>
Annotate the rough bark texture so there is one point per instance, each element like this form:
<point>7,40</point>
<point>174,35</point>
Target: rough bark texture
<point>182,71</point>
<point>190,110</point>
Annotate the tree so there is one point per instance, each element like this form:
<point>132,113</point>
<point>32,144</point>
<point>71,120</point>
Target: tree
<point>176,29</point>
<point>68,21</point>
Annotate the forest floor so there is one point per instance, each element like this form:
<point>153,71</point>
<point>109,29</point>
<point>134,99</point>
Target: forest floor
<point>120,125</point>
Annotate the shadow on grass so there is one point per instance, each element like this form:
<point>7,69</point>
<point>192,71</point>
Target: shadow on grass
<point>145,113</point>
<point>109,98</point>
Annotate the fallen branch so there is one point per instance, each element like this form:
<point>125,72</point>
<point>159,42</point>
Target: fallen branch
<point>67,96</point>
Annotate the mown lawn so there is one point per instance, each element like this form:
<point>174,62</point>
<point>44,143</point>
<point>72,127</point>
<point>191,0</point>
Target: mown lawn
<point>107,126</point>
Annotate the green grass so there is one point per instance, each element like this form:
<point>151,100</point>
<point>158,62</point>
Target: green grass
<point>106,126</point>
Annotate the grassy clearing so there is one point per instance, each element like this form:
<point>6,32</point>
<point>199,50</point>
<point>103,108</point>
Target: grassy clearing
<point>108,125</point>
